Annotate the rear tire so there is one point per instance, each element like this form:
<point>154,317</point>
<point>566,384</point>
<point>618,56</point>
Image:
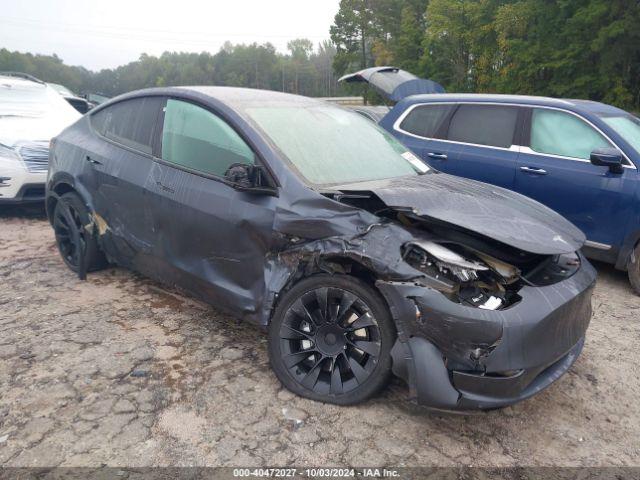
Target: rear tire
<point>330,340</point>
<point>70,219</point>
<point>633,269</point>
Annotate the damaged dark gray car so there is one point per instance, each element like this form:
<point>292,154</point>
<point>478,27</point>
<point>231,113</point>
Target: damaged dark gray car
<point>312,221</point>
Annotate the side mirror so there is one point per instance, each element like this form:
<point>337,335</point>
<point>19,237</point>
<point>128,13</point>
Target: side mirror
<point>608,157</point>
<point>249,178</point>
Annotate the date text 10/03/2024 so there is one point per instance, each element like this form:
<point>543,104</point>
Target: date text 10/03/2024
<point>316,472</point>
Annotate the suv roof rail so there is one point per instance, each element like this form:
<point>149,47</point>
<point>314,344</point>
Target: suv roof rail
<point>26,76</point>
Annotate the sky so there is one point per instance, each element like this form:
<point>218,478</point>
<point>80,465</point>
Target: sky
<point>109,33</point>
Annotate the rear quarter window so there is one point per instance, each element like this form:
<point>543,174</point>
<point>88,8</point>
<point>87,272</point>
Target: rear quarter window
<point>130,122</point>
<point>426,120</point>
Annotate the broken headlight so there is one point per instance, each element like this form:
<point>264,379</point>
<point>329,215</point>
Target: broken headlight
<point>470,281</point>
<point>448,262</point>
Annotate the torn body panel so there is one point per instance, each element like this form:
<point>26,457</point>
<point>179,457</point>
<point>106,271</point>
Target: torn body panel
<point>485,358</point>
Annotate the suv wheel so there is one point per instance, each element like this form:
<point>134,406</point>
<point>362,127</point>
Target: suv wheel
<point>330,340</point>
<point>633,269</point>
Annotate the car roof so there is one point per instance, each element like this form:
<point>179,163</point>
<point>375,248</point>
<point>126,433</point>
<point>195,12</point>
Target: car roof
<point>234,97</point>
<point>587,105</point>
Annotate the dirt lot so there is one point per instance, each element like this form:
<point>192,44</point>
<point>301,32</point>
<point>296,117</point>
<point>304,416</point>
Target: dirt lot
<point>118,370</point>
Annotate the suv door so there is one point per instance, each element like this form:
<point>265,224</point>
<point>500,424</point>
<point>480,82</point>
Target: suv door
<point>486,135</point>
<point>203,241</point>
<point>117,163</point>
<point>423,130</point>
<point>555,169</point>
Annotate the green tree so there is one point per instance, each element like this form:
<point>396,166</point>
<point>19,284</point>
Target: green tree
<point>352,33</point>
<point>566,48</point>
<point>302,70</point>
<point>408,47</point>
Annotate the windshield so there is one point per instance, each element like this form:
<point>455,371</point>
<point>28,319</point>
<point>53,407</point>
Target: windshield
<point>332,146</point>
<point>62,90</point>
<point>628,127</point>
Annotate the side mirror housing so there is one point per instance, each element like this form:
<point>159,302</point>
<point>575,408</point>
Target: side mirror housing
<point>250,178</point>
<point>608,157</point>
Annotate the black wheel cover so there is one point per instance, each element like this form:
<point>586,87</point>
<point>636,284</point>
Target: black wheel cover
<point>329,341</point>
<point>69,233</point>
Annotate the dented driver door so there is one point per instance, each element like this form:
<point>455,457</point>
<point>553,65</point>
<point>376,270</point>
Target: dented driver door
<point>117,163</point>
<point>210,238</point>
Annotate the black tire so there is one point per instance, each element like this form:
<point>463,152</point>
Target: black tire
<point>330,340</point>
<point>70,218</point>
<point>633,269</point>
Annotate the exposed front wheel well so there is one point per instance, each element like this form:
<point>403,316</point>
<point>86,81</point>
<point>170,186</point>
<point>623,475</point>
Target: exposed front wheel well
<point>330,264</point>
<point>350,267</point>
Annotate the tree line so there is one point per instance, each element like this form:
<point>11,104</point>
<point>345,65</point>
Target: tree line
<point>303,69</point>
<point>565,48</point>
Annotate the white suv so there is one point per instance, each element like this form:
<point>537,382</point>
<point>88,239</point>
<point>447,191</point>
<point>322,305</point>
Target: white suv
<point>31,113</point>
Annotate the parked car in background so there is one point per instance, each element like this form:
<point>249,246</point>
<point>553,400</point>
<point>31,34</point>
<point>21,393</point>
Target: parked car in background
<point>312,221</point>
<point>31,113</point>
<point>95,99</point>
<point>578,157</point>
<point>77,102</point>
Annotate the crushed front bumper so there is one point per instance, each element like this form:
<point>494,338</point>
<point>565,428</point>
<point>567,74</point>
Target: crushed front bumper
<point>460,358</point>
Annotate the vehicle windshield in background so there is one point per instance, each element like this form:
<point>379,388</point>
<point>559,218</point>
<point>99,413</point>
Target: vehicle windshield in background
<point>62,90</point>
<point>97,98</point>
<point>628,127</point>
<point>332,146</point>
<point>17,100</point>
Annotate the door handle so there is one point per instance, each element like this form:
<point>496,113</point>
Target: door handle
<point>92,161</point>
<point>437,156</point>
<point>537,171</point>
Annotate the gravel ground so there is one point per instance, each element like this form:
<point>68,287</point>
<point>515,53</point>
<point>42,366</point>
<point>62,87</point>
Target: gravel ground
<point>120,371</point>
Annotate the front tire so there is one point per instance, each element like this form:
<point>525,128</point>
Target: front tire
<point>70,218</point>
<point>633,269</point>
<point>330,340</point>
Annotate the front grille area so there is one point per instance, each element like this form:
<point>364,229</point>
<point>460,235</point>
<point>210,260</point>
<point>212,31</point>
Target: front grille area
<point>35,155</point>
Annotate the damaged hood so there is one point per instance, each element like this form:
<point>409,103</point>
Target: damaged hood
<point>491,211</point>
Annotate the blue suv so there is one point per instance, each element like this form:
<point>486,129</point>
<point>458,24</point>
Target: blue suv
<point>578,157</point>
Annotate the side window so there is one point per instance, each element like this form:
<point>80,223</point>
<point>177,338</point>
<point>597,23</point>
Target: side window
<point>197,139</point>
<point>426,120</point>
<point>130,122</point>
<point>491,125</point>
<point>558,133</point>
